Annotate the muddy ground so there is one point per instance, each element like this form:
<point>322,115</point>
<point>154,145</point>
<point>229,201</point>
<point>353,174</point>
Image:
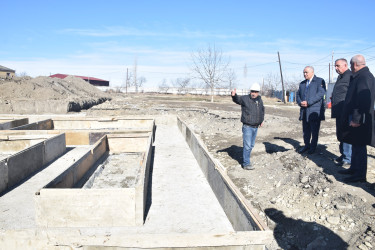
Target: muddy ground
<point>302,198</point>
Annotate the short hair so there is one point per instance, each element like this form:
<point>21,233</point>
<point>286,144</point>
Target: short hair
<point>310,67</point>
<point>341,59</point>
<point>358,59</point>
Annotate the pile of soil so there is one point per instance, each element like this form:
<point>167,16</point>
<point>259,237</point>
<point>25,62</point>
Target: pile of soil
<point>26,95</point>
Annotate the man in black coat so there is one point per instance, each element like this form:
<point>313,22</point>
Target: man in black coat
<point>310,97</point>
<point>338,97</point>
<point>357,123</point>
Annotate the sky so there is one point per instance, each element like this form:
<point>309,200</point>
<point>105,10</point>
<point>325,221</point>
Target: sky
<point>104,39</point>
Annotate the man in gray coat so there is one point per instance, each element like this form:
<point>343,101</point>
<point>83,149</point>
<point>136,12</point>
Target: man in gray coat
<point>337,99</point>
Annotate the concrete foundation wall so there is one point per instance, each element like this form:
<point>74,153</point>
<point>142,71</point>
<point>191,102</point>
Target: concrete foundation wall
<point>60,238</point>
<point>240,213</point>
<point>58,204</point>
<point>22,164</point>
<point>103,123</point>
<point>40,125</point>
<point>14,123</point>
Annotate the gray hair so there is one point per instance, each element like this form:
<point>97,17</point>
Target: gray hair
<point>310,67</point>
<point>359,60</point>
<point>341,59</point>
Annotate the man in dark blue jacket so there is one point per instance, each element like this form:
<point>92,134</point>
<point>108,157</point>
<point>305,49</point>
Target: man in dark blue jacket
<point>252,116</point>
<point>310,97</point>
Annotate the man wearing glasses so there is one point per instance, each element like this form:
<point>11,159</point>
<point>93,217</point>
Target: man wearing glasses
<point>252,116</point>
<point>310,97</point>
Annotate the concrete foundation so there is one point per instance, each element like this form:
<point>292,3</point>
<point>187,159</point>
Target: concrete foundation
<point>32,153</point>
<point>181,198</point>
<point>8,124</point>
<point>63,203</point>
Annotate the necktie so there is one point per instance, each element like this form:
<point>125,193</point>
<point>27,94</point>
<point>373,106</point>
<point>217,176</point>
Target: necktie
<point>307,86</point>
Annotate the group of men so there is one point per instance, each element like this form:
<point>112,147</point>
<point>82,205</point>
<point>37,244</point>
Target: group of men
<point>352,102</point>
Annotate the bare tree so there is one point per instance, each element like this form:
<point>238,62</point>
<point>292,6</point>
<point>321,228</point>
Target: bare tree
<point>163,86</point>
<point>210,66</point>
<point>133,79</point>
<point>181,84</point>
<point>231,79</point>
<point>22,74</point>
<point>271,81</point>
<point>292,83</point>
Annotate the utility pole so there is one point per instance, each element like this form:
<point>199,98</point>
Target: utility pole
<point>329,73</point>
<point>332,67</point>
<point>127,79</point>
<point>281,74</point>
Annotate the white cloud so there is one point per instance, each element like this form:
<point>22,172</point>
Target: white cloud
<point>117,31</point>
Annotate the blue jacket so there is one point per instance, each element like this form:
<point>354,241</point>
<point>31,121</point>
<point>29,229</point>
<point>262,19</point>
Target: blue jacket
<point>315,99</point>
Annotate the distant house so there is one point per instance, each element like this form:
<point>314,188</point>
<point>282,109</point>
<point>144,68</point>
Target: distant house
<point>92,80</point>
<point>6,72</point>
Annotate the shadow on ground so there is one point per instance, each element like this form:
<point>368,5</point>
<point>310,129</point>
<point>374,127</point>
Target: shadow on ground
<point>235,152</point>
<point>288,233</point>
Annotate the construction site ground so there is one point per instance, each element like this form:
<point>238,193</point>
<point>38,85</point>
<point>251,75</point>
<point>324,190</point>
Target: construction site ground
<point>301,197</point>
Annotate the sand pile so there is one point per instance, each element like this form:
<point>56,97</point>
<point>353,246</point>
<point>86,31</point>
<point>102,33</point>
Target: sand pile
<point>26,95</point>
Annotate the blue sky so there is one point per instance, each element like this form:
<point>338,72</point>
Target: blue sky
<point>103,38</point>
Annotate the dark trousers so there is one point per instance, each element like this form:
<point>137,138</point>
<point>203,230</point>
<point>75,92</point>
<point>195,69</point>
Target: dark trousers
<point>359,160</point>
<point>310,132</point>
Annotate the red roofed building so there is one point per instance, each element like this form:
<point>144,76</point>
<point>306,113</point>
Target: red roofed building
<point>92,80</point>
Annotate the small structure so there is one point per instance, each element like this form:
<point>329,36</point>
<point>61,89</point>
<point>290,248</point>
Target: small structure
<point>6,72</point>
<point>92,80</point>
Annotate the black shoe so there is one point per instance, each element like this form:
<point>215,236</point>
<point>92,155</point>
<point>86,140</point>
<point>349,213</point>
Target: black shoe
<point>303,150</point>
<point>355,179</point>
<point>346,171</point>
<point>338,160</point>
<point>311,151</point>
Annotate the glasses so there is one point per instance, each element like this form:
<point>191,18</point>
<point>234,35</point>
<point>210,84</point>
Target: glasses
<point>253,91</point>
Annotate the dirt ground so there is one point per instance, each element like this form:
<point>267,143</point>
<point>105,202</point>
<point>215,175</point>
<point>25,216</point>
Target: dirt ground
<point>302,198</point>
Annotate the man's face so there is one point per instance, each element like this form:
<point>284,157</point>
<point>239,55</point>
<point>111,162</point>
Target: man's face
<point>341,67</point>
<point>308,73</point>
<point>353,67</point>
<point>254,94</point>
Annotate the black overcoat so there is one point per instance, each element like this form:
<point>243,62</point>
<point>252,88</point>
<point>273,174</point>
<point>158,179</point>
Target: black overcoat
<point>359,108</point>
<point>339,92</point>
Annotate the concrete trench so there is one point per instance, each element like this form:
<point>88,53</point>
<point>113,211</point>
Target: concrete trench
<point>191,202</point>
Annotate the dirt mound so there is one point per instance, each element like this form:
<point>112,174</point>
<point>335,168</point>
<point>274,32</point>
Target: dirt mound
<point>48,95</point>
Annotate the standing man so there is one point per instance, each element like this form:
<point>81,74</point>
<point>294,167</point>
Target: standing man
<point>357,123</point>
<point>338,97</point>
<point>252,117</point>
<point>310,97</point>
